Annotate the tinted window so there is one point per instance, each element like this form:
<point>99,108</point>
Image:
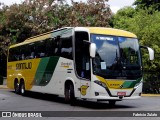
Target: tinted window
<point>14,54</point>
<point>66,44</point>
<point>59,45</point>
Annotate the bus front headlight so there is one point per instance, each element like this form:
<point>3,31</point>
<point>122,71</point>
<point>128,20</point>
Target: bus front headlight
<point>100,83</point>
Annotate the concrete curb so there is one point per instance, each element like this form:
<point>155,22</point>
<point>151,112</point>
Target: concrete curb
<point>3,87</point>
<point>150,95</point>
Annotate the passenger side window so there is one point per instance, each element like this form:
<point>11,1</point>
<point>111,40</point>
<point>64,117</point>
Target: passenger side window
<point>23,52</point>
<point>13,54</point>
<point>59,45</point>
<point>50,47</point>
<point>66,44</point>
<point>41,49</point>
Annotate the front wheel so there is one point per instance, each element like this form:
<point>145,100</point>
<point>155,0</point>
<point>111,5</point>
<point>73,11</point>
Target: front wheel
<point>69,94</point>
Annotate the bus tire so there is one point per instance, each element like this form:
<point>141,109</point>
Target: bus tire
<point>22,88</point>
<point>69,94</point>
<point>16,87</point>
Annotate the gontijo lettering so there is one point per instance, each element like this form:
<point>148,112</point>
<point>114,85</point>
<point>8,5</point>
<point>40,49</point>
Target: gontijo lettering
<point>23,65</point>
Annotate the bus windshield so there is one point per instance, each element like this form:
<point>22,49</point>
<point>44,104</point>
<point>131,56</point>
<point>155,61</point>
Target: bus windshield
<point>116,57</point>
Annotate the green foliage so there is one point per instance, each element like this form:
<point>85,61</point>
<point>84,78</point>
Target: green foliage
<point>123,18</point>
<point>145,4</point>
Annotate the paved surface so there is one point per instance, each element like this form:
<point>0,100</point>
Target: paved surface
<point>9,101</point>
<point>38,102</point>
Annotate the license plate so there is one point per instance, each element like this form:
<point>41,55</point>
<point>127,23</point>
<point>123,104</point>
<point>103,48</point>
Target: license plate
<point>121,93</point>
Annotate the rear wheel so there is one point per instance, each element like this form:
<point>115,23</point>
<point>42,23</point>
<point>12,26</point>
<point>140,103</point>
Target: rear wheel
<point>22,88</point>
<point>69,94</point>
<point>16,87</point>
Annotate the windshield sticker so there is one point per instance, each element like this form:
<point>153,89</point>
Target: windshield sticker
<point>103,65</point>
<point>87,66</point>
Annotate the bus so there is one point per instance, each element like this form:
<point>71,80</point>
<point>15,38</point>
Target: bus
<point>88,63</point>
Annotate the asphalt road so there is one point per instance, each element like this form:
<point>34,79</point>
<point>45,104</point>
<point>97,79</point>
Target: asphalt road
<point>9,101</point>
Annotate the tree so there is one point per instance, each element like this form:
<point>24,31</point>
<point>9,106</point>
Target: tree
<point>142,4</point>
<point>123,18</point>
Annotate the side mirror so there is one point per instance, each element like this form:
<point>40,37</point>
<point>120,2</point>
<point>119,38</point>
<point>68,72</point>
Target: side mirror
<point>151,52</point>
<point>92,50</point>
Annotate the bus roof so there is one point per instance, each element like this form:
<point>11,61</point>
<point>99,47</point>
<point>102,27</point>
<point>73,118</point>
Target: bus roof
<point>111,31</point>
<point>38,37</point>
<point>92,30</point>
<point>33,39</point>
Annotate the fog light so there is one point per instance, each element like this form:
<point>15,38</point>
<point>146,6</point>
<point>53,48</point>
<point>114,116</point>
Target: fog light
<point>96,93</point>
